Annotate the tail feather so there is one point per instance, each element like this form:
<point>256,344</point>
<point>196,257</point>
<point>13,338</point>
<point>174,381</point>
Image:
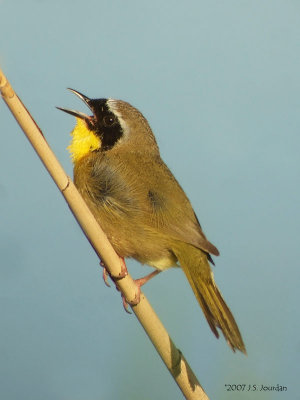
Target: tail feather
<point>197,270</point>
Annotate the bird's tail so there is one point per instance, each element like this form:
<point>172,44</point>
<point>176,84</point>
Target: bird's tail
<point>198,272</point>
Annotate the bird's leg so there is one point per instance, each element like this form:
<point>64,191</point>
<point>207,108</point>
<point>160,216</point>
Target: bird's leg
<point>139,282</point>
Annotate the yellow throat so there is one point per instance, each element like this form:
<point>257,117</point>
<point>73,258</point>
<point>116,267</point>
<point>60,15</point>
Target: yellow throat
<point>83,141</point>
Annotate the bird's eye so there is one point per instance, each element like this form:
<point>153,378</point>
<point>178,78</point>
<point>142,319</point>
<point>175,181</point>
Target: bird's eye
<point>109,120</point>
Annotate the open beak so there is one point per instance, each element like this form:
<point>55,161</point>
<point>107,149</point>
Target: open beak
<point>78,114</point>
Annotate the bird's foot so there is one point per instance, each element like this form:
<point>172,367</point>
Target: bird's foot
<point>106,273</point>
<point>139,283</point>
<point>124,272</point>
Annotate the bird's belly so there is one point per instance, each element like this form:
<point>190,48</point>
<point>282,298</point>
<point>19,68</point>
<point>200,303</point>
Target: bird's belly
<point>131,240</point>
<point>146,248</point>
<point>164,263</point>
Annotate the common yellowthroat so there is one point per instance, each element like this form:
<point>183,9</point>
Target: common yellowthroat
<point>139,204</point>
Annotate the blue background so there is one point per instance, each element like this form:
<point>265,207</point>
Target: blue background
<point>219,83</point>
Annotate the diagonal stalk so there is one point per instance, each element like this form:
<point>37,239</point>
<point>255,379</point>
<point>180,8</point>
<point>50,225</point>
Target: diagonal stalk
<point>171,356</point>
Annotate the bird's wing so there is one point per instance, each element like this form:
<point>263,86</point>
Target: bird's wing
<point>169,209</point>
<point>172,214</point>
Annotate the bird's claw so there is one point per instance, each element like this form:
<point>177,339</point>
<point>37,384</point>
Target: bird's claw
<point>132,303</point>
<point>106,273</point>
<point>123,273</point>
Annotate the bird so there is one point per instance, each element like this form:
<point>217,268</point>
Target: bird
<point>140,205</point>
